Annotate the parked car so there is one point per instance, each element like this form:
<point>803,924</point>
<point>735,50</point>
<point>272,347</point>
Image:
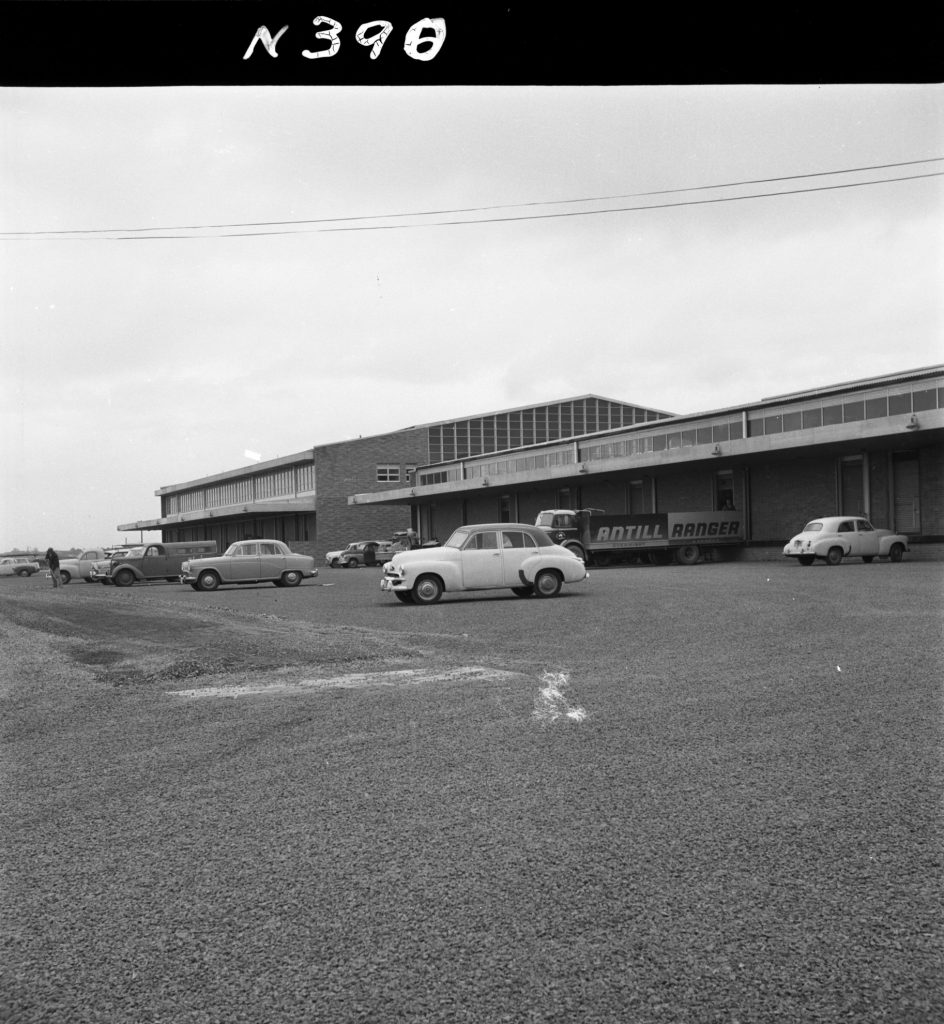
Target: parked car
<point>333,558</point>
<point>100,571</point>
<point>367,552</point>
<point>18,566</point>
<point>81,568</point>
<point>153,562</point>
<point>833,538</point>
<point>486,556</point>
<point>249,561</point>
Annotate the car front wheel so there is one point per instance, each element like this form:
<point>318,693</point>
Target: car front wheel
<point>208,581</point>
<point>291,578</point>
<point>427,590</point>
<point>123,578</point>
<point>896,552</point>
<point>24,572</point>
<point>547,583</point>
<point>64,576</point>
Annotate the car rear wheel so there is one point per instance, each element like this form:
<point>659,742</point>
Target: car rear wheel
<point>291,578</point>
<point>427,590</point>
<point>350,563</point>
<point>834,556</point>
<point>403,596</point>
<point>123,578</point>
<point>523,591</point>
<point>547,583</point>
<point>22,572</point>
<point>806,559</point>
<point>896,552</point>
<point>64,576</point>
<point>208,581</point>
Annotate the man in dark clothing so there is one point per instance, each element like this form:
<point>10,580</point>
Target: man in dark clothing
<point>52,560</point>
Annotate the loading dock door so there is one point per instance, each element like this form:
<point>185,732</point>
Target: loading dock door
<point>907,506</point>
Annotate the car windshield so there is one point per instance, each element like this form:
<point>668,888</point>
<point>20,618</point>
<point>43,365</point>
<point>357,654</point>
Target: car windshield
<point>231,550</point>
<point>813,527</point>
<point>133,553</point>
<point>458,538</point>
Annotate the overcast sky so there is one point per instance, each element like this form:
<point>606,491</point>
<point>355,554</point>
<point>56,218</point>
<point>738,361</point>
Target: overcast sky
<point>152,346</point>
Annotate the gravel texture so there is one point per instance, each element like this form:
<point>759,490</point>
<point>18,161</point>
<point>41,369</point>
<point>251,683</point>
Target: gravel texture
<point>706,794</point>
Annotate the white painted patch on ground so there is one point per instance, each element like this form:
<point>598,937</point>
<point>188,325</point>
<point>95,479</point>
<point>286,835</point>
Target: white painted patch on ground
<point>354,680</point>
<point>551,704</point>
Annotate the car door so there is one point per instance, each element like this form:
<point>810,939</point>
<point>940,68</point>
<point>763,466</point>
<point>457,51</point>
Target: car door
<point>271,561</point>
<point>846,532</point>
<point>243,564</point>
<point>866,539</point>
<point>154,562</point>
<point>481,559</point>
<point>516,547</point>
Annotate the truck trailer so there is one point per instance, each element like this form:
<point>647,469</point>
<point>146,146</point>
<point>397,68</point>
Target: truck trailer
<point>657,537</point>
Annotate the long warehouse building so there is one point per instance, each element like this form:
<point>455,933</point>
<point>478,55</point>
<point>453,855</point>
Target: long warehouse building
<point>872,447</point>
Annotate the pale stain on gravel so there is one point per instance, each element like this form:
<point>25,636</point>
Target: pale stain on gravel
<point>352,680</point>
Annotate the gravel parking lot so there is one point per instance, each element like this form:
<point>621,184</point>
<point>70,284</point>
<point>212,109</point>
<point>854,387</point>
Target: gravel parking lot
<point>687,794</point>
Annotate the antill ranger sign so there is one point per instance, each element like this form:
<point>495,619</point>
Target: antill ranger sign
<point>598,537</point>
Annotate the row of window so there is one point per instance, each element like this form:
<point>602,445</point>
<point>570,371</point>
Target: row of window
<point>870,407</point>
<point>280,483</point>
<point>822,413</point>
<point>501,431</point>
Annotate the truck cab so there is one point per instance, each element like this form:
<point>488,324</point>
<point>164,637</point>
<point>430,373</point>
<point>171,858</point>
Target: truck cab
<point>565,527</point>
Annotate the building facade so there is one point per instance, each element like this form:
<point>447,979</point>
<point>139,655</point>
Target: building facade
<point>304,499</point>
<point>871,447</point>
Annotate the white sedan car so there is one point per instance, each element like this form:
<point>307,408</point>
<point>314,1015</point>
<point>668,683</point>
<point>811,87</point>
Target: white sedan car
<point>486,556</point>
<point>833,538</point>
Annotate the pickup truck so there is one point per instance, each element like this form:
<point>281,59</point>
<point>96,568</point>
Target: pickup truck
<point>81,568</point>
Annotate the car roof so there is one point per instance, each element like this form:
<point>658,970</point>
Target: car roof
<point>498,526</point>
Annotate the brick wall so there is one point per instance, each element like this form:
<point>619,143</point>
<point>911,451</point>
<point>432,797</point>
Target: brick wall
<point>350,467</point>
<point>788,493</point>
<point>689,491</point>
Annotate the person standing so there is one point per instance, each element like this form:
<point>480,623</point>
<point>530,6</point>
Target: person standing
<point>52,560</point>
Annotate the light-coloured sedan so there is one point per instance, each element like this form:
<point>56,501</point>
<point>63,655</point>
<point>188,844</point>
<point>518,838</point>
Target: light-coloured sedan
<point>833,538</point>
<point>249,561</point>
<point>486,556</point>
<point>18,566</point>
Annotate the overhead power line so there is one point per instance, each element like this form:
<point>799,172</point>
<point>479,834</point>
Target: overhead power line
<point>355,223</point>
